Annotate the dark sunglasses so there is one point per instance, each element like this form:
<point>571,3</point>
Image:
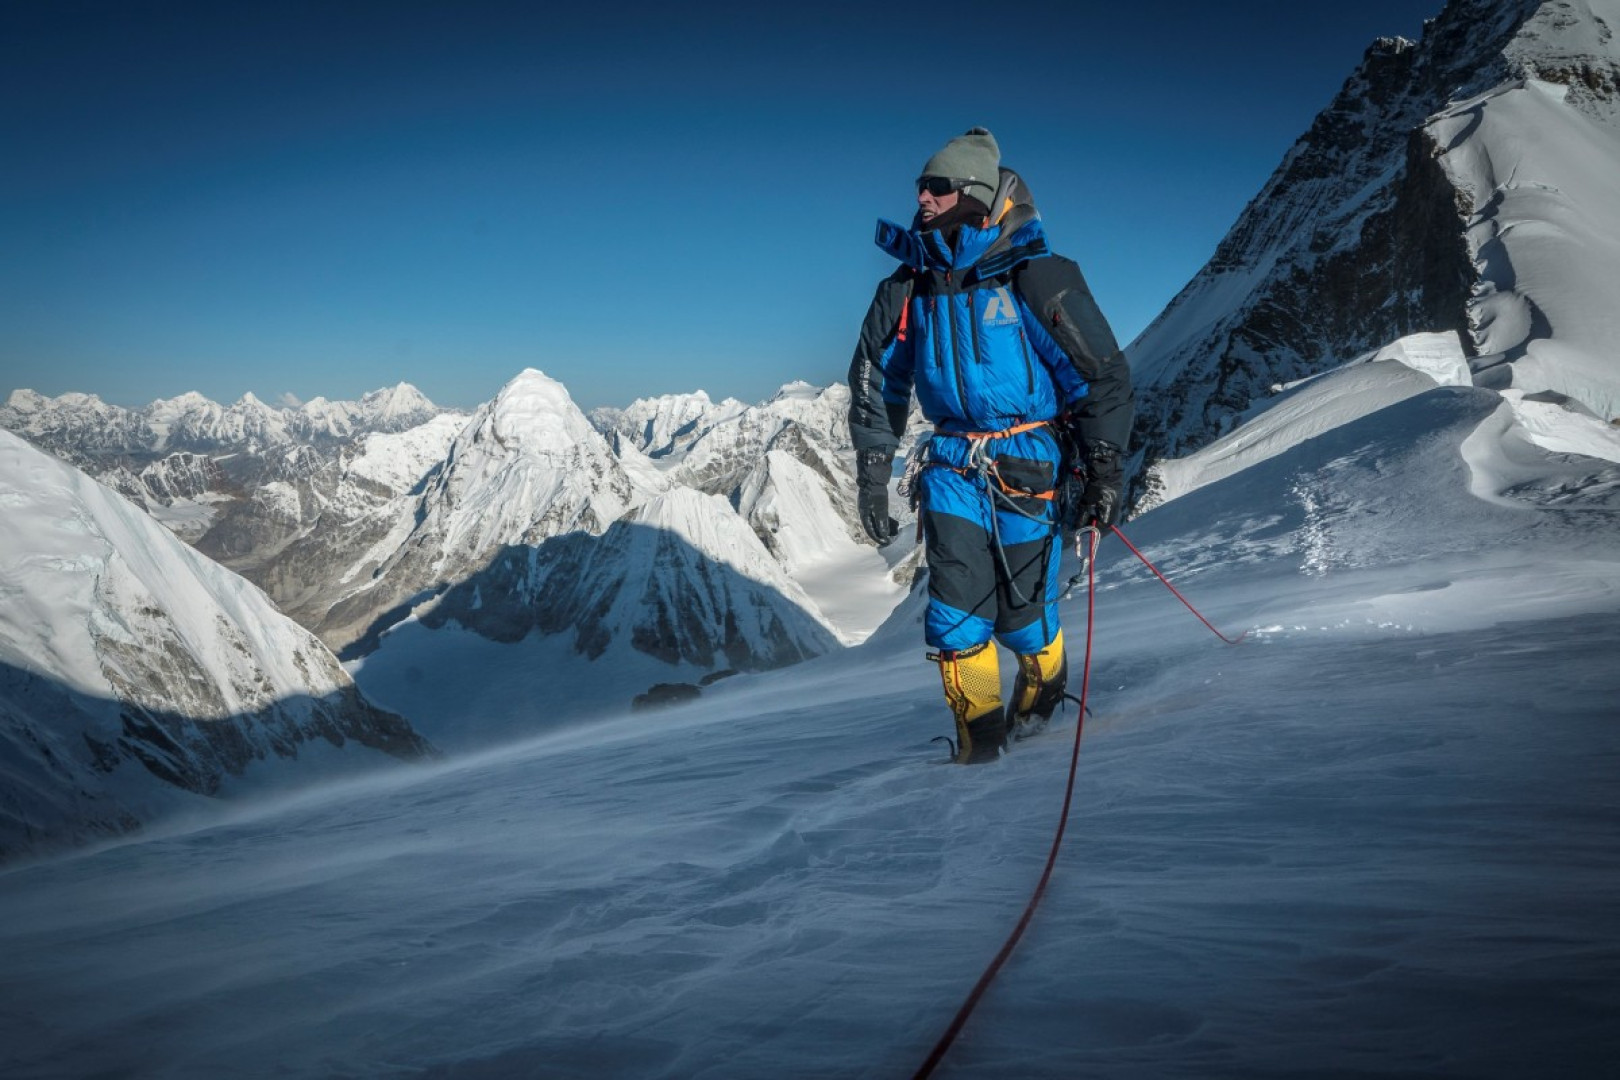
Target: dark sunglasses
<point>939,186</point>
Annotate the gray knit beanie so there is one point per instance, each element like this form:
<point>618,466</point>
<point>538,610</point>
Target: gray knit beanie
<point>973,156</point>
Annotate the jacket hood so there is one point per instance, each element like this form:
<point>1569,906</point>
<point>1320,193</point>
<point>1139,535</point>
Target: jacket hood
<point>1012,235</point>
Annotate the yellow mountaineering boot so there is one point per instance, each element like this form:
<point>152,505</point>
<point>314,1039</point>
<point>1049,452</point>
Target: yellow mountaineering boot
<point>1038,690</point>
<point>972,680</point>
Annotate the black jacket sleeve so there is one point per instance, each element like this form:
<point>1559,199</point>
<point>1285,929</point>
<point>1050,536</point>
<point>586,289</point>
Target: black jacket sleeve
<point>875,424</point>
<point>1056,292</point>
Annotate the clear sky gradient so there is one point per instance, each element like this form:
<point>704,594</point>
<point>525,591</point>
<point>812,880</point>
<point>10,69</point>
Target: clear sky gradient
<point>303,199</point>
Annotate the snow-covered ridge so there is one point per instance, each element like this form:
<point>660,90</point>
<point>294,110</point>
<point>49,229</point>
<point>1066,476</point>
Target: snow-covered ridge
<point>1439,191</point>
<point>1538,176</point>
<point>659,426</point>
<point>398,461</point>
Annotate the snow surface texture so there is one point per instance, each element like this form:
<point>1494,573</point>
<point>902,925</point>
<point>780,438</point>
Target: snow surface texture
<point>1377,838</point>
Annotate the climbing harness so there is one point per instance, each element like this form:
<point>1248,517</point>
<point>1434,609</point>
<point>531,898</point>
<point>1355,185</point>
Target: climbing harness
<point>1091,537</point>
<point>981,466</point>
<point>982,463</point>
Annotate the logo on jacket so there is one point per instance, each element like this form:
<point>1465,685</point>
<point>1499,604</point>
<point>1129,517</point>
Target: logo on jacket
<point>1000,310</point>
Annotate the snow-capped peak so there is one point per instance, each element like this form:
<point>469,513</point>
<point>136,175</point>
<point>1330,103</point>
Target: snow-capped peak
<point>534,413</point>
<point>400,403</point>
<point>26,401</point>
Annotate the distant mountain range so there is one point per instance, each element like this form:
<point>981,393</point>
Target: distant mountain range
<point>354,516</point>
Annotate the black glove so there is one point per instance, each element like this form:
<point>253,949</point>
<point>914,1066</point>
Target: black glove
<point>1104,475</point>
<point>1071,494</point>
<point>872,471</point>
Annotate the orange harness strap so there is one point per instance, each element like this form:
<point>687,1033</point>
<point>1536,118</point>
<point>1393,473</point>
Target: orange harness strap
<point>980,436</point>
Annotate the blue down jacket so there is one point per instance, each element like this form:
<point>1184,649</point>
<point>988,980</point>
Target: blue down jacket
<point>968,344</point>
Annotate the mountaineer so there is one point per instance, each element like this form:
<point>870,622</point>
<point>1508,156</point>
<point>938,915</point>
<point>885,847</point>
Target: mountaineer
<point>1016,367</point>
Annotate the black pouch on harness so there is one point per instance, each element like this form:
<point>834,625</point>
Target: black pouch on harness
<point>1027,477</point>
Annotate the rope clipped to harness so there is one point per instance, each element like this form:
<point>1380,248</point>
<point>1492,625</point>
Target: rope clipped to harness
<point>982,463</point>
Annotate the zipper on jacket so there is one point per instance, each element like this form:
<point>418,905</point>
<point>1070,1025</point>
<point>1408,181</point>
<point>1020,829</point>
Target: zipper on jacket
<point>1029,365</point>
<point>974,327</point>
<point>949,308</point>
<point>939,318</point>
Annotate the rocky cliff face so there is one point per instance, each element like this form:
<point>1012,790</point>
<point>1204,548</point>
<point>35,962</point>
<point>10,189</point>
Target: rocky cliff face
<point>1359,237</point>
<point>314,529</point>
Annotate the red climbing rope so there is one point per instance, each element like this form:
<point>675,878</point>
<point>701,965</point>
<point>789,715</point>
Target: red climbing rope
<point>979,988</point>
<point>1007,947</point>
<point>1172,588</point>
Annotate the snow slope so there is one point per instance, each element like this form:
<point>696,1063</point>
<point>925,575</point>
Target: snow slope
<point>1377,838</point>
<point>1303,410</point>
<point>133,670</point>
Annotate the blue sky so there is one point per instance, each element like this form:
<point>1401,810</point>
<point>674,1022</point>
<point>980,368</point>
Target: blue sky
<point>321,199</point>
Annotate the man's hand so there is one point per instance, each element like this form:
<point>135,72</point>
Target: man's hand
<point>1104,474</point>
<point>872,470</point>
